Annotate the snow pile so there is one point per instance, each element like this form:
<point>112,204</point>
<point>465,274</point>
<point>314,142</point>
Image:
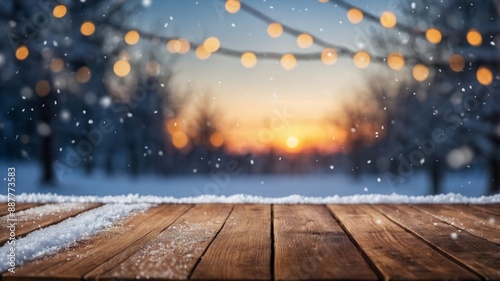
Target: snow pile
<point>45,210</point>
<point>51,239</point>
<point>242,198</point>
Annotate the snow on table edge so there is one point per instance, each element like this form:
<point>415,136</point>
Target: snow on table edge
<point>51,239</point>
<point>242,199</point>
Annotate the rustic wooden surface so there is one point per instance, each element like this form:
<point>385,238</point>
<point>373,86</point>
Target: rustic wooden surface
<point>280,242</point>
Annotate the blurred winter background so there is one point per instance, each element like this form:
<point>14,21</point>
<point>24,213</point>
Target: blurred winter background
<point>270,98</point>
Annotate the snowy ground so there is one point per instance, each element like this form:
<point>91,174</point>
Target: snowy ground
<point>336,187</point>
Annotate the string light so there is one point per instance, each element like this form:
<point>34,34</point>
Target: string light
<point>361,59</point>
<point>474,37</point>
<point>388,19</point>
<point>420,72</point>
<point>248,60</point>
<point>179,139</point>
<point>87,28</point>
<point>201,53</point>
<point>274,30</point>
<point>211,44</point>
<point>217,139</point>
<point>433,35</point>
<point>456,62</point>
<point>484,76</point>
<point>132,37</point>
<point>396,61</point>
<point>288,61</point>
<point>121,68</point>
<point>304,40</point>
<point>354,15</point>
<point>232,6</point>
<point>22,52</point>
<point>59,11</point>
<point>329,56</point>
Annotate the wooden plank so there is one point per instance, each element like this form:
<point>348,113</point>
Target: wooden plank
<point>42,216</point>
<point>108,247</point>
<point>469,219</point>
<point>242,249</point>
<point>310,244</point>
<point>489,208</point>
<point>174,252</point>
<point>396,253</point>
<point>477,254</point>
<point>19,207</point>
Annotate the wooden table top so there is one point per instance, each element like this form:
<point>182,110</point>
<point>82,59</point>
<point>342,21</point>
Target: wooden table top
<point>281,242</point>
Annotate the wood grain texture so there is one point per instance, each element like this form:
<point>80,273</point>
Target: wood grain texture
<point>242,249</point>
<point>469,219</point>
<point>477,254</point>
<point>124,238</point>
<point>37,217</point>
<point>19,207</point>
<point>309,244</point>
<point>174,252</point>
<point>396,253</point>
<point>489,208</point>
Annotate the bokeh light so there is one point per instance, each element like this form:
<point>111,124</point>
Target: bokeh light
<point>59,11</point>
<point>354,15</point>
<point>474,37</point>
<point>42,88</point>
<point>22,52</point>
<point>87,28</point>
<point>484,76</point>
<point>274,30</point>
<point>288,61</point>
<point>179,139</point>
<point>456,62</point>
<point>217,139</point>
<point>329,56</point>
<point>56,65</point>
<point>420,72</point>
<point>83,75</point>
<point>396,61</point>
<point>433,35</point>
<point>211,44</point>
<point>388,19</point>
<point>121,68</point>
<point>361,59</point>
<point>132,37</point>
<point>304,40</point>
<point>292,142</point>
<point>201,53</point>
<point>248,60</point>
<point>232,6</point>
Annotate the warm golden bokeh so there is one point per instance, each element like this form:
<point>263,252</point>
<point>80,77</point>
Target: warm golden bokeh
<point>42,88</point>
<point>420,72</point>
<point>354,15</point>
<point>456,62</point>
<point>433,35</point>
<point>87,28</point>
<point>474,37</point>
<point>232,6</point>
<point>388,19</point>
<point>396,61</point>
<point>56,65</point>
<point>216,139</point>
<point>22,52</point>
<point>288,61</point>
<point>248,60</point>
<point>201,53</point>
<point>83,75</point>
<point>361,59</point>
<point>211,44</point>
<point>304,40</point>
<point>173,125</point>
<point>274,30</point>
<point>292,142</point>
<point>132,37</point>
<point>484,76</point>
<point>329,56</point>
<point>59,11</point>
<point>180,139</point>
<point>121,68</point>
